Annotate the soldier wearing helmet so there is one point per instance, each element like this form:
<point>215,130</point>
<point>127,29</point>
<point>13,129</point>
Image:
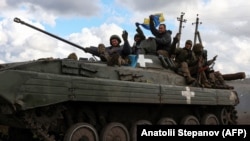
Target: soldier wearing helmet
<point>207,77</point>
<point>115,40</point>
<point>185,59</point>
<point>138,38</point>
<point>201,66</point>
<point>115,53</point>
<point>198,49</point>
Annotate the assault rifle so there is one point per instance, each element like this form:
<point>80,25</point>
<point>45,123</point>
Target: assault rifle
<point>206,66</point>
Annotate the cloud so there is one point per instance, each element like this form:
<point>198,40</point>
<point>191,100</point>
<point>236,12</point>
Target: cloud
<point>19,42</point>
<point>47,11</point>
<point>59,7</point>
<point>92,37</point>
<point>223,26</point>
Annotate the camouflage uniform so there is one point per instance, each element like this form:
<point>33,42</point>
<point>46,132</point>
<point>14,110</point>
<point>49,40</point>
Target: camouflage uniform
<point>207,76</point>
<point>202,66</point>
<point>113,55</point>
<point>185,60</point>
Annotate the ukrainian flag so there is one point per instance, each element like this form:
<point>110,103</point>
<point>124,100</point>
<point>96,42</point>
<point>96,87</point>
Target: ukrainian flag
<point>158,18</point>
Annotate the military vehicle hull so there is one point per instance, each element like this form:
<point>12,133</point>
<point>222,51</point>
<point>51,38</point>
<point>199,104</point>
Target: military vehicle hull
<point>63,99</point>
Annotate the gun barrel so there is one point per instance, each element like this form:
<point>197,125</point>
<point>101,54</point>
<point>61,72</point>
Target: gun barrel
<point>17,20</point>
<point>234,76</point>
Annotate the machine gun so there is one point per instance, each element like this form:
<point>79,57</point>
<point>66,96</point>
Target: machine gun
<point>17,20</point>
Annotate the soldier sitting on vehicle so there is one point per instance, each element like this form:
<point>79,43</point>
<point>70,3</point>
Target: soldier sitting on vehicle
<point>162,37</point>
<point>115,54</point>
<point>160,43</point>
<point>185,59</point>
<point>138,38</point>
<point>207,77</point>
<point>202,66</point>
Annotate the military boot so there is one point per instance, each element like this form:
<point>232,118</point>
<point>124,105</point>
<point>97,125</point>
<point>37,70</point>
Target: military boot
<point>204,81</point>
<point>186,73</point>
<point>206,85</point>
<point>190,79</point>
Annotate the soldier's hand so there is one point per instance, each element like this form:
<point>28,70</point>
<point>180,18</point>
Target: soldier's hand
<point>125,35</point>
<point>177,38</point>
<point>151,16</point>
<point>137,24</point>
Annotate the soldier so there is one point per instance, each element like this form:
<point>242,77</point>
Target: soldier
<point>208,77</point>
<point>162,38</point>
<point>138,38</point>
<point>115,54</point>
<point>185,59</point>
<point>202,65</point>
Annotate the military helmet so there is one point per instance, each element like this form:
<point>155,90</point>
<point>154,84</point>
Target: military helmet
<point>198,48</point>
<point>136,35</point>
<point>115,37</point>
<point>189,42</point>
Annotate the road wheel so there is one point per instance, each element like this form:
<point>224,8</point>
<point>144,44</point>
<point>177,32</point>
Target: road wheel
<point>166,121</point>
<point>190,120</point>
<point>115,131</point>
<point>209,119</point>
<point>134,128</point>
<point>227,116</point>
<point>81,131</point>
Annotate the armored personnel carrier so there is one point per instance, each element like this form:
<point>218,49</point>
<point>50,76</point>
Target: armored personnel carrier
<point>71,100</point>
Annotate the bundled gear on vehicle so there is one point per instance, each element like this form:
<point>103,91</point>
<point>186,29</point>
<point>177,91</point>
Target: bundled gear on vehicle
<point>72,56</point>
<point>104,56</point>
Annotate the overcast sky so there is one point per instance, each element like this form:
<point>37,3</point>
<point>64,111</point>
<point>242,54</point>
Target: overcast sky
<point>223,27</point>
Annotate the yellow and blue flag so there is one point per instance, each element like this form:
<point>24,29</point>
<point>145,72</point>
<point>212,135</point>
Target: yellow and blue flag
<point>158,18</point>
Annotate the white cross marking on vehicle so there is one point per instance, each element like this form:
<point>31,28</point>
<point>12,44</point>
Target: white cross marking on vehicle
<point>188,94</point>
<point>142,61</point>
